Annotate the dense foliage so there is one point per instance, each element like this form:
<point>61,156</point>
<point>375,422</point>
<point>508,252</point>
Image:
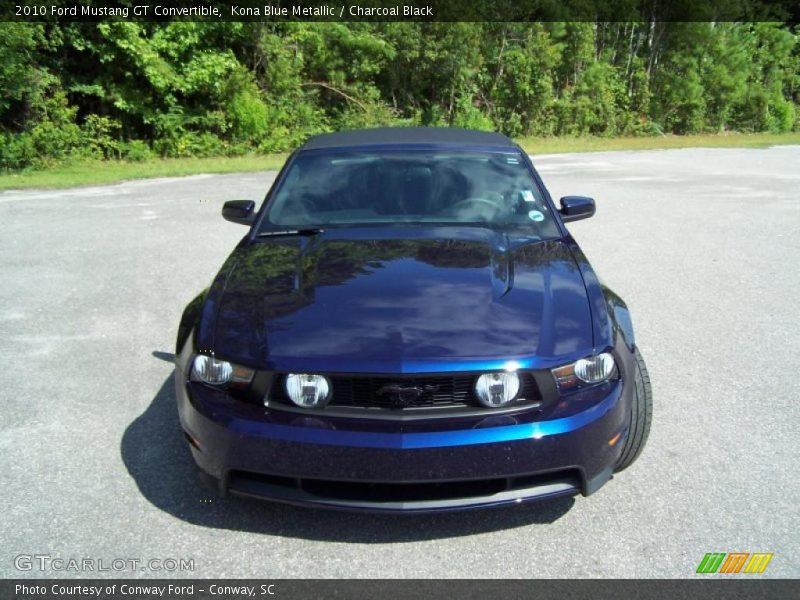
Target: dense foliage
<point>134,90</point>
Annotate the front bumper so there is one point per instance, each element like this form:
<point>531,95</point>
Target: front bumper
<point>422,465</point>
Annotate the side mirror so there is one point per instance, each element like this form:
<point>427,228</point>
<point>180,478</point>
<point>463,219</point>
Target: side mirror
<point>239,211</point>
<point>575,208</point>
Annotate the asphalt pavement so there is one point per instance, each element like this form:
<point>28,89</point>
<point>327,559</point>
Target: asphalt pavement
<point>703,244</point>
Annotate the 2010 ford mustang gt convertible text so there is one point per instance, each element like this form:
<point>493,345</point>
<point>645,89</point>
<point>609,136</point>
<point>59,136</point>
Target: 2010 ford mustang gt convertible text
<point>409,326</point>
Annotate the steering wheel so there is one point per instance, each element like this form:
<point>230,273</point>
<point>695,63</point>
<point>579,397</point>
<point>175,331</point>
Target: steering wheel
<point>475,200</point>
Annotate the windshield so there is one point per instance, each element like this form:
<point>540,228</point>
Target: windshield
<point>404,186</point>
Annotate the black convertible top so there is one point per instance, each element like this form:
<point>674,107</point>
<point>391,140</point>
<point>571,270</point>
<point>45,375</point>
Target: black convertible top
<point>408,135</point>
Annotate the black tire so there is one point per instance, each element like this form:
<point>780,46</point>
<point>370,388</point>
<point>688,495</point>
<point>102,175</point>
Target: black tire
<point>641,415</point>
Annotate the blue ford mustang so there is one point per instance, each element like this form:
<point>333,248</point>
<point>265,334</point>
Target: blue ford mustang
<point>408,326</point>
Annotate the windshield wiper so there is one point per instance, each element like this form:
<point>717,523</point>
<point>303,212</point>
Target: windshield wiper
<point>290,232</point>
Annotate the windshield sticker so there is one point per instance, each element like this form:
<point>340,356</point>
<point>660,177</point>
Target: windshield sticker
<point>536,216</point>
<point>528,196</point>
<point>512,161</point>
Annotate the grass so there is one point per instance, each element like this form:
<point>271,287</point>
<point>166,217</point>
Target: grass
<point>104,172</point>
<point>556,145</point>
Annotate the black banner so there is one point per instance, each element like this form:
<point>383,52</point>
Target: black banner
<point>402,10</point>
<point>307,589</point>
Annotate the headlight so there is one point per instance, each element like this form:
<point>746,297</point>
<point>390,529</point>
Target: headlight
<point>213,371</point>
<point>591,370</point>
<point>595,369</point>
<point>308,391</point>
<point>497,389</point>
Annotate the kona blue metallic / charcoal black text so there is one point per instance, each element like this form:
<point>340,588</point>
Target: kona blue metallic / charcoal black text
<point>409,326</point>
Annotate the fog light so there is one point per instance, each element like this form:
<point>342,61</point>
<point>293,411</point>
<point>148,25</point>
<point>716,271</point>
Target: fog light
<point>497,389</point>
<point>308,391</point>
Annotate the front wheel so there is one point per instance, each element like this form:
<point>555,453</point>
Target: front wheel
<point>641,415</point>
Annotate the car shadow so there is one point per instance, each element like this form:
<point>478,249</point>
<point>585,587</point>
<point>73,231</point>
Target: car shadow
<point>158,459</point>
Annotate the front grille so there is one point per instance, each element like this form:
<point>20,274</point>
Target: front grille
<point>375,494</point>
<point>438,391</point>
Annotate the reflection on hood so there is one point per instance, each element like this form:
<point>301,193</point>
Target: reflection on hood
<point>394,301</point>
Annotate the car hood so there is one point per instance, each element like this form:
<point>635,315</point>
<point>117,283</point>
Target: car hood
<point>442,299</point>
